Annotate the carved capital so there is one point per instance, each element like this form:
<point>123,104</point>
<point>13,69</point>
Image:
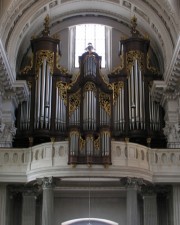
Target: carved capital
<point>132,182</point>
<point>46,182</point>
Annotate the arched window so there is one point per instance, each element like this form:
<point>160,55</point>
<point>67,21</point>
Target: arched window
<point>90,33</point>
<point>97,34</point>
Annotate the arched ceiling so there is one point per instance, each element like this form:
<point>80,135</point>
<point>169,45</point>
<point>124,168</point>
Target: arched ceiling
<point>158,18</point>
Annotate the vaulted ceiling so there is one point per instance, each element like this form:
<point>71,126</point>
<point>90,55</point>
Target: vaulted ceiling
<point>160,19</point>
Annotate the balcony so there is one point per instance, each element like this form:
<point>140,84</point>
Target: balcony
<point>128,160</point>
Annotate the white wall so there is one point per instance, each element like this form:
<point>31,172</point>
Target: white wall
<point>109,208</point>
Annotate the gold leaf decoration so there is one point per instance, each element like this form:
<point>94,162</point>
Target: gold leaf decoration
<point>45,54</point>
<point>131,56</point>
<point>74,101</point>
<point>105,102</point>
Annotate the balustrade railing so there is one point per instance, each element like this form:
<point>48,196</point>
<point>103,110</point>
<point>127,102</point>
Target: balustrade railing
<point>125,155</point>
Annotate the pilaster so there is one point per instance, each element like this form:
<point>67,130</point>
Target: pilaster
<point>3,196</point>
<point>172,129</point>
<point>176,204</point>
<point>29,207</point>
<point>150,205</point>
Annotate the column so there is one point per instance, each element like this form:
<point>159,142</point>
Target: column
<point>48,201</point>
<point>172,128</point>
<point>176,204</point>
<point>7,126</point>
<point>3,195</point>
<point>132,185</point>
<point>29,207</point>
<point>150,206</point>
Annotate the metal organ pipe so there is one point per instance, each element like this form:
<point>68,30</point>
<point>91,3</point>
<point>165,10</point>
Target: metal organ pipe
<point>119,111</point>
<point>136,98</point>
<point>154,108</point>
<point>105,143</point>
<point>140,101</point>
<point>38,98</point>
<point>46,104</point>
<point>74,141</point>
<point>89,110</point>
<point>57,109</point>
<point>89,66</point>
<point>136,94</point>
<point>89,145</point>
<point>122,106</point>
<point>43,91</point>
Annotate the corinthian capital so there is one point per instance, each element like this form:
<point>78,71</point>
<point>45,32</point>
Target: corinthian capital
<point>46,182</point>
<point>132,182</point>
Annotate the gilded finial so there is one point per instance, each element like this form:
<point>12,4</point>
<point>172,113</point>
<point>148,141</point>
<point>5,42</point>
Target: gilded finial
<point>134,25</point>
<point>46,31</point>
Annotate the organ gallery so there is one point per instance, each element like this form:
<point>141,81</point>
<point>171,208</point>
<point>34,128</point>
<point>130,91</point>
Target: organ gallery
<point>90,109</point>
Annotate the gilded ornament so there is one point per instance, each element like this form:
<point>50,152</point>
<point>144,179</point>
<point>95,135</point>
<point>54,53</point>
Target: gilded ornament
<point>82,144</point>
<point>74,101</point>
<point>116,88</point>
<point>28,68</point>
<point>63,87</point>
<point>151,68</point>
<point>60,68</point>
<point>97,144</point>
<point>117,69</point>
<point>131,56</point>
<point>45,54</point>
<point>105,102</point>
<point>90,87</point>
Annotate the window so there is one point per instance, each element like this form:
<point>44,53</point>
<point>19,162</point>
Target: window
<point>89,33</point>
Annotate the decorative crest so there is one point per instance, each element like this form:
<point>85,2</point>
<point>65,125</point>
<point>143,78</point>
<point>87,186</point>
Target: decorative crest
<point>46,31</point>
<point>134,32</point>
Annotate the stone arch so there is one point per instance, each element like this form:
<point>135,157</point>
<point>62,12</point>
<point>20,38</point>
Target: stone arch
<point>85,221</point>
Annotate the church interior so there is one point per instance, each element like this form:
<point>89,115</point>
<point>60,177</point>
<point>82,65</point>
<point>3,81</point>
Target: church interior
<point>90,112</point>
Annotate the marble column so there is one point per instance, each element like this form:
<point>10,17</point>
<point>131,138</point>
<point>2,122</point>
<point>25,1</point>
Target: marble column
<point>132,216</point>
<point>48,201</point>
<point>3,196</point>
<point>29,207</point>
<point>176,204</point>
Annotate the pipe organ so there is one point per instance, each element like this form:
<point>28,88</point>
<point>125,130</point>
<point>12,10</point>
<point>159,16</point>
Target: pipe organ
<point>90,111</point>
<point>89,101</point>
<point>43,115</point>
<point>136,115</point>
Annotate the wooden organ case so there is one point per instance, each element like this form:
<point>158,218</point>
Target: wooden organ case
<point>89,102</point>
<point>137,117</point>
<point>42,117</point>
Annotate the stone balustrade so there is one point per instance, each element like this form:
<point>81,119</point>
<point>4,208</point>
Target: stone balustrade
<point>128,159</point>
